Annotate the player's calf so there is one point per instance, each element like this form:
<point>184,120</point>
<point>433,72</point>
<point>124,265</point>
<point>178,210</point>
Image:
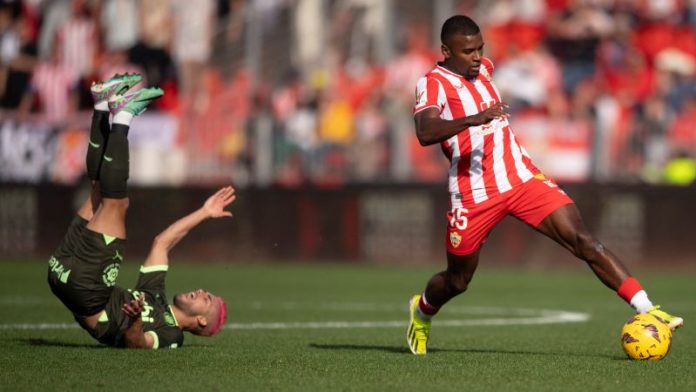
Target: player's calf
<point>114,171</point>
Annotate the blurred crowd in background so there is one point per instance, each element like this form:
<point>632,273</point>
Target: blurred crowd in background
<point>321,91</point>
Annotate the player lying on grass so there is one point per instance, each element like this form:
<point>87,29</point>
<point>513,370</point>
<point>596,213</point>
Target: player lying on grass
<point>82,272</point>
<point>490,177</point>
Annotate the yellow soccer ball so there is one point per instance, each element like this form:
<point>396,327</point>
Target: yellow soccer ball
<point>645,336</point>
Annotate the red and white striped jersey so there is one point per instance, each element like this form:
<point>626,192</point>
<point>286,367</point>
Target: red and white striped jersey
<point>54,84</point>
<point>485,160</point>
<point>78,40</point>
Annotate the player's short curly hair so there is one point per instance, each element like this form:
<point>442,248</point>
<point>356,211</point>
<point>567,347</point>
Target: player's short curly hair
<point>458,24</point>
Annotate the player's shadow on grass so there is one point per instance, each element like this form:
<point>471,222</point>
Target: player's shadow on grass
<point>405,350</point>
<point>58,343</point>
<point>357,347</point>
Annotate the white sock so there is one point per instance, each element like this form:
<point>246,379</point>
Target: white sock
<point>420,313</point>
<point>102,106</point>
<point>640,302</point>
<point>123,117</point>
<point>423,315</point>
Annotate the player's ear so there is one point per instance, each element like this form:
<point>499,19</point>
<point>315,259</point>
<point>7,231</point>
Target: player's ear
<point>202,321</point>
<point>446,52</point>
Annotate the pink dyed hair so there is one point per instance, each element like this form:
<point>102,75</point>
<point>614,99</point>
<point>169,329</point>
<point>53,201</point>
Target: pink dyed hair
<point>222,317</point>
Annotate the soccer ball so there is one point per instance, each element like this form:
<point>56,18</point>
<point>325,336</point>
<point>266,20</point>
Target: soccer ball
<point>645,336</point>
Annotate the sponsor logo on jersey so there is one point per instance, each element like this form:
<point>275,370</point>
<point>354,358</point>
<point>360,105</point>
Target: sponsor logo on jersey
<point>57,268</point>
<point>485,129</point>
<point>421,98</point>
<point>546,181</point>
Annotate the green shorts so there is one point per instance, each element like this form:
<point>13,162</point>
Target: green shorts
<point>83,270</point>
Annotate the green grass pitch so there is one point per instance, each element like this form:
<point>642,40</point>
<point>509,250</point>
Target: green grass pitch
<point>341,327</point>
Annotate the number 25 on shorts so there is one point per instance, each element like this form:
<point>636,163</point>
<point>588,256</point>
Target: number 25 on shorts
<point>458,218</point>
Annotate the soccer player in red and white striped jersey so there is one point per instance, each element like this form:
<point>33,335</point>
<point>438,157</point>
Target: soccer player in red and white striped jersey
<point>492,176</point>
<point>55,85</point>
<point>78,40</point>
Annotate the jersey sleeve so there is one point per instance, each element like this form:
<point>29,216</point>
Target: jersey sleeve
<point>488,65</point>
<point>152,278</point>
<point>166,337</point>
<point>429,94</point>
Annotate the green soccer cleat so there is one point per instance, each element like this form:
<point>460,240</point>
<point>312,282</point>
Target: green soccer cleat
<point>117,85</point>
<point>418,329</point>
<point>135,102</point>
<point>674,322</point>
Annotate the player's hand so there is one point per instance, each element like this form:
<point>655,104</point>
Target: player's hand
<point>214,207</point>
<point>133,308</point>
<point>497,111</point>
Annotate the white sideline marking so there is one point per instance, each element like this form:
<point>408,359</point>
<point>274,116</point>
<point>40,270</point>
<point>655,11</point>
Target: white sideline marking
<point>546,317</point>
<point>533,317</point>
<point>27,326</point>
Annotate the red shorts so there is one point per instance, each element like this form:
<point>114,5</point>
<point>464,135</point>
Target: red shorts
<point>531,202</point>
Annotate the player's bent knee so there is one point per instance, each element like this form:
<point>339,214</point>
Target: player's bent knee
<point>457,283</point>
<point>586,246</point>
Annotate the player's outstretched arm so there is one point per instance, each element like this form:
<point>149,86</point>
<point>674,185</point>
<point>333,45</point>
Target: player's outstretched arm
<point>431,129</point>
<point>135,337</point>
<point>214,207</point>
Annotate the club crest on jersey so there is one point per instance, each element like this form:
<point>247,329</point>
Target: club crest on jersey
<point>455,238</point>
